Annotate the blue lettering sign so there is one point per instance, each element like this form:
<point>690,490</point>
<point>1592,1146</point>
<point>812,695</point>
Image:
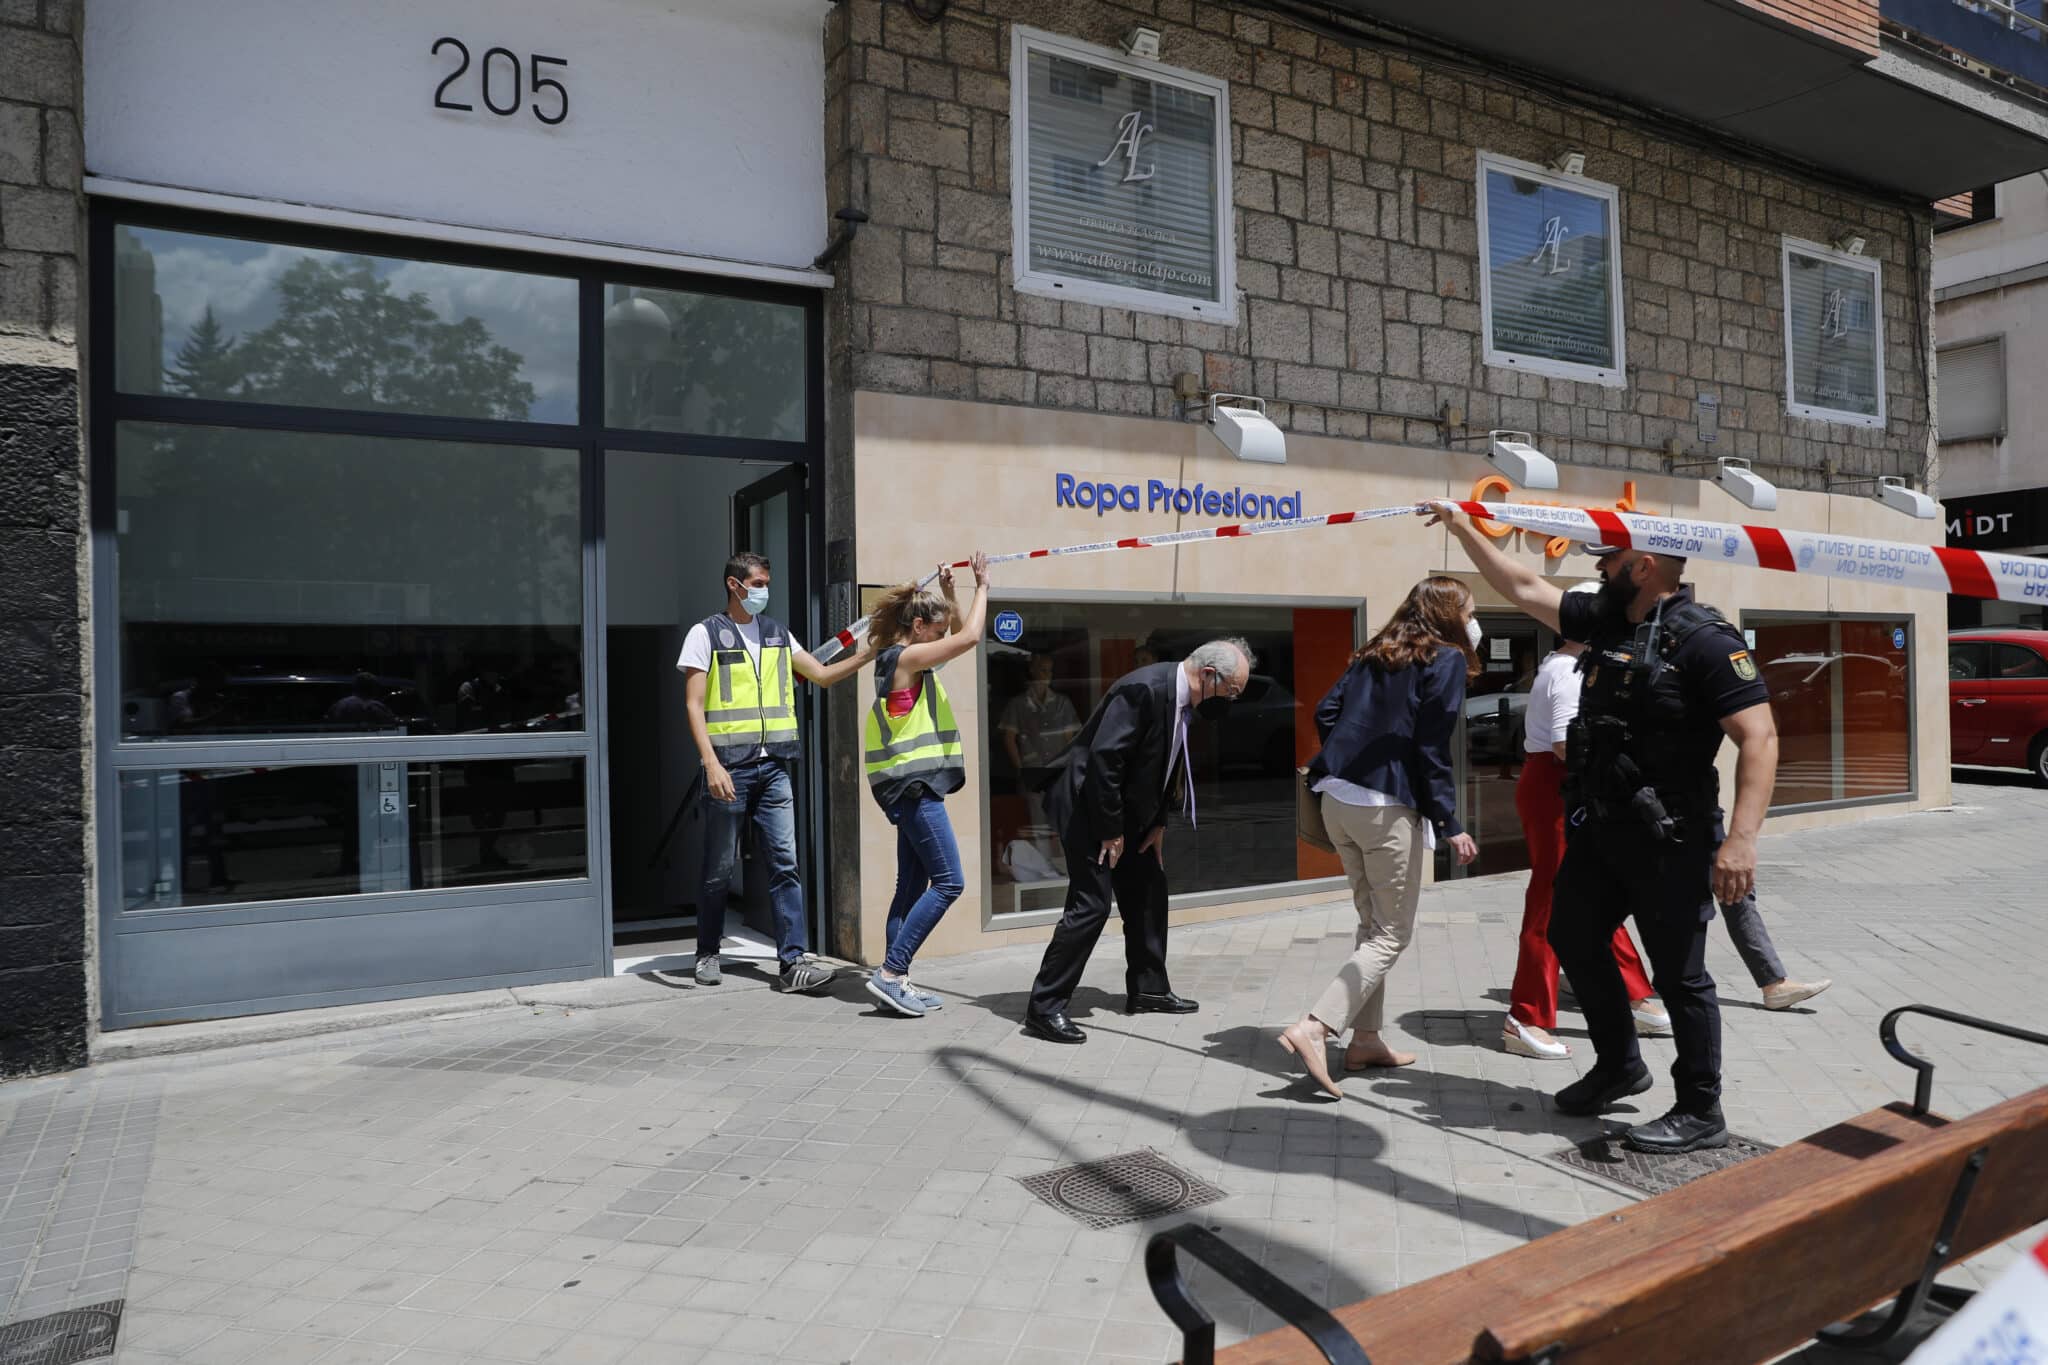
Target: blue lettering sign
<point>1009,627</point>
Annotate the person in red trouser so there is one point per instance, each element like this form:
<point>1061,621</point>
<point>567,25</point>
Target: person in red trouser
<point>1539,801</point>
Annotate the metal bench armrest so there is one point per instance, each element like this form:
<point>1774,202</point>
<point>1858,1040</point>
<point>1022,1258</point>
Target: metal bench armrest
<point>1923,1083</point>
<point>1198,1329</point>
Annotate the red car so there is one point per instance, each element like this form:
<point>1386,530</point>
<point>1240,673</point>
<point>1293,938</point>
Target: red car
<point>1998,698</point>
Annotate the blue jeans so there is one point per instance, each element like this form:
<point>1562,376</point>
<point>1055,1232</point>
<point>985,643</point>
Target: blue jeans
<point>761,791</point>
<point>927,876</point>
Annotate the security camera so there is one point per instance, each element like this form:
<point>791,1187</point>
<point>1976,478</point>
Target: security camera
<point>1246,431</point>
<point>1523,463</point>
<point>1746,488</point>
<point>1895,495</point>
<point>1142,43</point>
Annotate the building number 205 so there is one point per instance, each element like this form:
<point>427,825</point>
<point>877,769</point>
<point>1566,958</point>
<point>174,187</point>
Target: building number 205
<point>494,82</point>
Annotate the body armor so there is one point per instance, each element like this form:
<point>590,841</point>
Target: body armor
<point>1630,757</point>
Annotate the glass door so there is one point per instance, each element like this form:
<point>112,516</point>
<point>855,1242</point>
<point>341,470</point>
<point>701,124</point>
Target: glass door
<point>1488,747</point>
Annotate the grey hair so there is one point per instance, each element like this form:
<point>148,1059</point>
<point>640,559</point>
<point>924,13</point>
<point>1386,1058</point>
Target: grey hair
<point>1217,654</point>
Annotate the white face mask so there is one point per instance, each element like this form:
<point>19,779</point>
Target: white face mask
<point>755,600</point>
<point>1473,635</point>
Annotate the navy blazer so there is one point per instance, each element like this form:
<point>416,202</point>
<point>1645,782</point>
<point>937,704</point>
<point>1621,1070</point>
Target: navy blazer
<point>1392,732</point>
<point>1112,778</point>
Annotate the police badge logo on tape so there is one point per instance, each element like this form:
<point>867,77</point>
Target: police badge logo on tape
<point>1745,667</point>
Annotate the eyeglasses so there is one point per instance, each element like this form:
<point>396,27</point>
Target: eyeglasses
<point>1226,689</point>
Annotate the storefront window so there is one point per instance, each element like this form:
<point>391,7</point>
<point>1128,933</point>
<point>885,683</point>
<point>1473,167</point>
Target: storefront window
<point>1042,687</point>
<point>227,836</point>
<point>1492,752</point>
<point>226,318</point>
<point>1834,335</point>
<point>1550,273</point>
<point>703,364</point>
<point>283,583</point>
<point>1842,694</point>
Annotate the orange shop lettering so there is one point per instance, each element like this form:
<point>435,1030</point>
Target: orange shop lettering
<point>1556,546</point>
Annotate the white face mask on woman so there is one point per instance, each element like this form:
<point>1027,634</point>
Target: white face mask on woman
<point>1473,635</point>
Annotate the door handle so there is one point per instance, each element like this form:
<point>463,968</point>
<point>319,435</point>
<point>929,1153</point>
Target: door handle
<point>1971,701</point>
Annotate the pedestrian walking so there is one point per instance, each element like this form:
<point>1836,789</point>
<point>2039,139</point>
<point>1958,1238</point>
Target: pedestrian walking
<point>738,691</point>
<point>914,761</point>
<point>1753,945</point>
<point>1120,776</point>
<point>1666,679</point>
<point>1539,801</point>
<point>1385,778</point>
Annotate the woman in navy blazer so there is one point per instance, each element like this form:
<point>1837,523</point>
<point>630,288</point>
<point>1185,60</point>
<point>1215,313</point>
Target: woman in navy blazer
<point>1384,775</point>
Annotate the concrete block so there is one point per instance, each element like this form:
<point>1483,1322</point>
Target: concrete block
<point>21,144</point>
<point>915,331</point>
<point>1049,350</point>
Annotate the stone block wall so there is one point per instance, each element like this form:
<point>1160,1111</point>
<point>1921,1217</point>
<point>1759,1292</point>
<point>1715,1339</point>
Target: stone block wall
<point>1357,248</point>
<point>43,705</point>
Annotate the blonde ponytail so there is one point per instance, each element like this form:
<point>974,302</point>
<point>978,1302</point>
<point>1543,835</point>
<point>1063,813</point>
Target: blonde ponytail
<point>900,608</point>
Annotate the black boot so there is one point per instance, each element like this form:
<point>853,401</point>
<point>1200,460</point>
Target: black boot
<point>1601,1087</point>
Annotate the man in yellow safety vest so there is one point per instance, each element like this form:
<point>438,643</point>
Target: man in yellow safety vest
<point>739,688</point>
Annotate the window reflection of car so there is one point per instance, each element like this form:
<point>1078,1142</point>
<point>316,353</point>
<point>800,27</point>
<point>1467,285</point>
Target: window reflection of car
<point>1495,724</point>
<point>291,703</point>
<point>1872,688</point>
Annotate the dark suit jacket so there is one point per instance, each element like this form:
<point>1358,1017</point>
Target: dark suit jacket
<point>1111,779</point>
<point>1392,732</point>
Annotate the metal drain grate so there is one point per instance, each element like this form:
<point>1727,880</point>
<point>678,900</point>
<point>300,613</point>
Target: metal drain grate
<point>1121,1189</point>
<point>1652,1174</point>
<point>60,1338</point>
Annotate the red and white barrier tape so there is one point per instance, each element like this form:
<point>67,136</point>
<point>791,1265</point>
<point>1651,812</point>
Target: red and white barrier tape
<point>844,640</point>
<point>1935,568</point>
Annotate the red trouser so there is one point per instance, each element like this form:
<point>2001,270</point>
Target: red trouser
<point>1539,800</point>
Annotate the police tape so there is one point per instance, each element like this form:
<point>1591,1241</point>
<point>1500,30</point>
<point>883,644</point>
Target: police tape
<point>843,640</point>
<point>1935,568</point>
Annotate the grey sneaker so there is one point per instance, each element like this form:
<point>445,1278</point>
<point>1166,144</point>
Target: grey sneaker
<point>924,998</point>
<point>895,994</point>
<point>806,977</point>
<point>707,972</point>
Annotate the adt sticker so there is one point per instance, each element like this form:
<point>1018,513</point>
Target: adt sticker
<point>1898,637</point>
<point>1009,627</point>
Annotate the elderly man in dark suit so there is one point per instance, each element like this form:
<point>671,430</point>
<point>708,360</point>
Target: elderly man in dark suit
<point>1116,782</point>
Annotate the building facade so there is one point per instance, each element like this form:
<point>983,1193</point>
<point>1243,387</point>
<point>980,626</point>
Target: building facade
<point>363,473</point>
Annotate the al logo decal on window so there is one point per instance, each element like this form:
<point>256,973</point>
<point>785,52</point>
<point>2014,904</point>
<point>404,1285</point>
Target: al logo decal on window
<point>1745,667</point>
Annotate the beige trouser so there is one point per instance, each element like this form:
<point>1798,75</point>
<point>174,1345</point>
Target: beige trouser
<point>1381,848</point>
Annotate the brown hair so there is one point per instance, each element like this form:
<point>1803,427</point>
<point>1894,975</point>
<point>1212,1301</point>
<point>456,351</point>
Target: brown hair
<point>1431,618</point>
<point>900,608</point>
<point>743,564</point>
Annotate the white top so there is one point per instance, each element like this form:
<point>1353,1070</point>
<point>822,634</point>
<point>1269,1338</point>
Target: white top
<point>1351,794</point>
<point>1553,701</point>
<point>697,645</point>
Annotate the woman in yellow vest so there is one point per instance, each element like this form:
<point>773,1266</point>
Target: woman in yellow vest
<point>914,759</point>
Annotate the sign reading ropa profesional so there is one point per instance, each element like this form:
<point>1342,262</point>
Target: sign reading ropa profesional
<point>1157,495</point>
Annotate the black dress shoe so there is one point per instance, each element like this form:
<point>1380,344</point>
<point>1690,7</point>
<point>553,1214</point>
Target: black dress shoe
<point>1054,1027</point>
<point>1165,1002</point>
<point>1600,1087</point>
<point>1679,1131</point>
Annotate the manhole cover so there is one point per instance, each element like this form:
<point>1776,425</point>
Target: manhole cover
<point>60,1338</point>
<point>1607,1157</point>
<point>1120,1189</point>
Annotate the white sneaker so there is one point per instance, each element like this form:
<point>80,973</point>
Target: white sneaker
<point>1526,1040</point>
<point>1651,1019</point>
<point>1783,995</point>
<point>707,971</point>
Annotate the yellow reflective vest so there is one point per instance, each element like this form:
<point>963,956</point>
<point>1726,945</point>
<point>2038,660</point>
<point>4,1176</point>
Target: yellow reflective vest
<point>749,705</point>
<point>921,747</point>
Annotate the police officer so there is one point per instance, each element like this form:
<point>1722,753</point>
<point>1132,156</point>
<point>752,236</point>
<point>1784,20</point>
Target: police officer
<point>1665,678</point>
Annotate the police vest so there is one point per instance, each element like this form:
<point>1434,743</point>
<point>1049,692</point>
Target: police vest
<point>749,705</point>
<point>923,746</point>
<point>1631,731</point>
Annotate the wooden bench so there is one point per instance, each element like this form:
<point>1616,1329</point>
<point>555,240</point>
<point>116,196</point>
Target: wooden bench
<point>1740,1265</point>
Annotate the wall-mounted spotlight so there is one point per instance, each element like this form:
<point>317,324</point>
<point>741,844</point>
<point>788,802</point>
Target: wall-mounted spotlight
<point>1893,493</point>
<point>1569,162</point>
<point>1733,473</point>
<point>1240,422</point>
<point>1850,243</point>
<point>1142,43</point>
<point>1514,454</point>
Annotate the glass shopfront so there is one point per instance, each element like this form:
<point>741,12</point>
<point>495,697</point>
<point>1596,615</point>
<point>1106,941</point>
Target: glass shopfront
<point>367,596</point>
<point>1842,692</point>
<point>1042,686</point>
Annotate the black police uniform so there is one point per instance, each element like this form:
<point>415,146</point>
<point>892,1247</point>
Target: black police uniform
<point>1642,820</point>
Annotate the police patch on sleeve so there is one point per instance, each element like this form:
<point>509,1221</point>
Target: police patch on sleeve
<point>1745,667</point>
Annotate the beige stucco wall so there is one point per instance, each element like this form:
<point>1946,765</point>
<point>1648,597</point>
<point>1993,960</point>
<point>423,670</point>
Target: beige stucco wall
<point>937,478</point>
